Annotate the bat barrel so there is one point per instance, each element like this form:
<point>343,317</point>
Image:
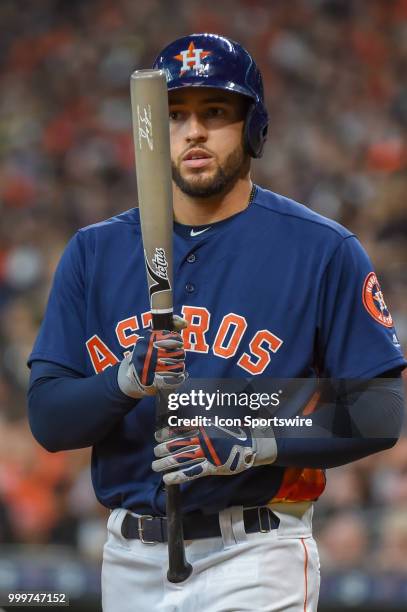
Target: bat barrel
<point>149,103</point>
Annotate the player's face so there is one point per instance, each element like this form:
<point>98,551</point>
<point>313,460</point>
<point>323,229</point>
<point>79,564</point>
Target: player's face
<point>206,129</point>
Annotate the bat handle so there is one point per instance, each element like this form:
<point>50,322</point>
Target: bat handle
<point>162,321</point>
<point>178,567</point>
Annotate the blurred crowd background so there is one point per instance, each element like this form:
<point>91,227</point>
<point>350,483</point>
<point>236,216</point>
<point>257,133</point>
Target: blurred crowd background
<point>335,75</point>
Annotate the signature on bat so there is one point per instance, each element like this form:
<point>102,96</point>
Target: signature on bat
<point>145,127</point>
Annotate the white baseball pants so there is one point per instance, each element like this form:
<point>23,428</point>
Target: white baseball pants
<point>276,571</point>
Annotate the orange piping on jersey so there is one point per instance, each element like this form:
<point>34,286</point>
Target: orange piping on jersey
<point>305,574</point>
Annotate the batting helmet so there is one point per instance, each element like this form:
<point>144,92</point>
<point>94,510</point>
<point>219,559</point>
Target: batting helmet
<point>209,60</point>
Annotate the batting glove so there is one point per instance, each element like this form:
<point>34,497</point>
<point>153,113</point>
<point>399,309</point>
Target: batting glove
<point>210,451</point>
<point>157,362</point>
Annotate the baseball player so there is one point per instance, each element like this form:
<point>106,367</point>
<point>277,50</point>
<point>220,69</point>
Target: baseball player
<point>264,287</point>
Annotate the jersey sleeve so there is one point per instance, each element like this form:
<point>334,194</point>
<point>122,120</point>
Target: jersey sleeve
<point>356,337</point>
<point>61,338</point>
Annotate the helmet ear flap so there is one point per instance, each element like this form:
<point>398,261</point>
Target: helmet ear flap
<point>255,130</point>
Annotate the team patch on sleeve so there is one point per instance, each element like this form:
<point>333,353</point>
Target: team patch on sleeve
<point>373,301</point>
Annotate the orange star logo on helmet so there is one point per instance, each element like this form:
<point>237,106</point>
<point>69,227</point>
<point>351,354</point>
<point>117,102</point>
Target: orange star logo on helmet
<point>191,58</point>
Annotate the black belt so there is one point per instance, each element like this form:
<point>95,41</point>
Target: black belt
<point>153,529</point>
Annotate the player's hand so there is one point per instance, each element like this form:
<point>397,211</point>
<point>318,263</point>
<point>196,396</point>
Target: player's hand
<point>157,362</point>
<point>210,451</point>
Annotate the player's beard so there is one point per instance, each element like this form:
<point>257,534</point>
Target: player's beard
<point>235,166</point>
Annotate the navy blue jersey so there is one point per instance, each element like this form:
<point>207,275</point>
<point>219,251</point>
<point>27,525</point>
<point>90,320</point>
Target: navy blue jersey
<point>276,290</point>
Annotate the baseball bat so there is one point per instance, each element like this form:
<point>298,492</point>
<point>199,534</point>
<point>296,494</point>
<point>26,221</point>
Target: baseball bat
<point>149,106</point>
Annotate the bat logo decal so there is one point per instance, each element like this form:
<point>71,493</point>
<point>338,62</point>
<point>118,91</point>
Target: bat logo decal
<point>158,271</point>
<point>145,127</point>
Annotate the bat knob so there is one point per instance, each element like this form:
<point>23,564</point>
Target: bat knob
<point>180,574</point>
